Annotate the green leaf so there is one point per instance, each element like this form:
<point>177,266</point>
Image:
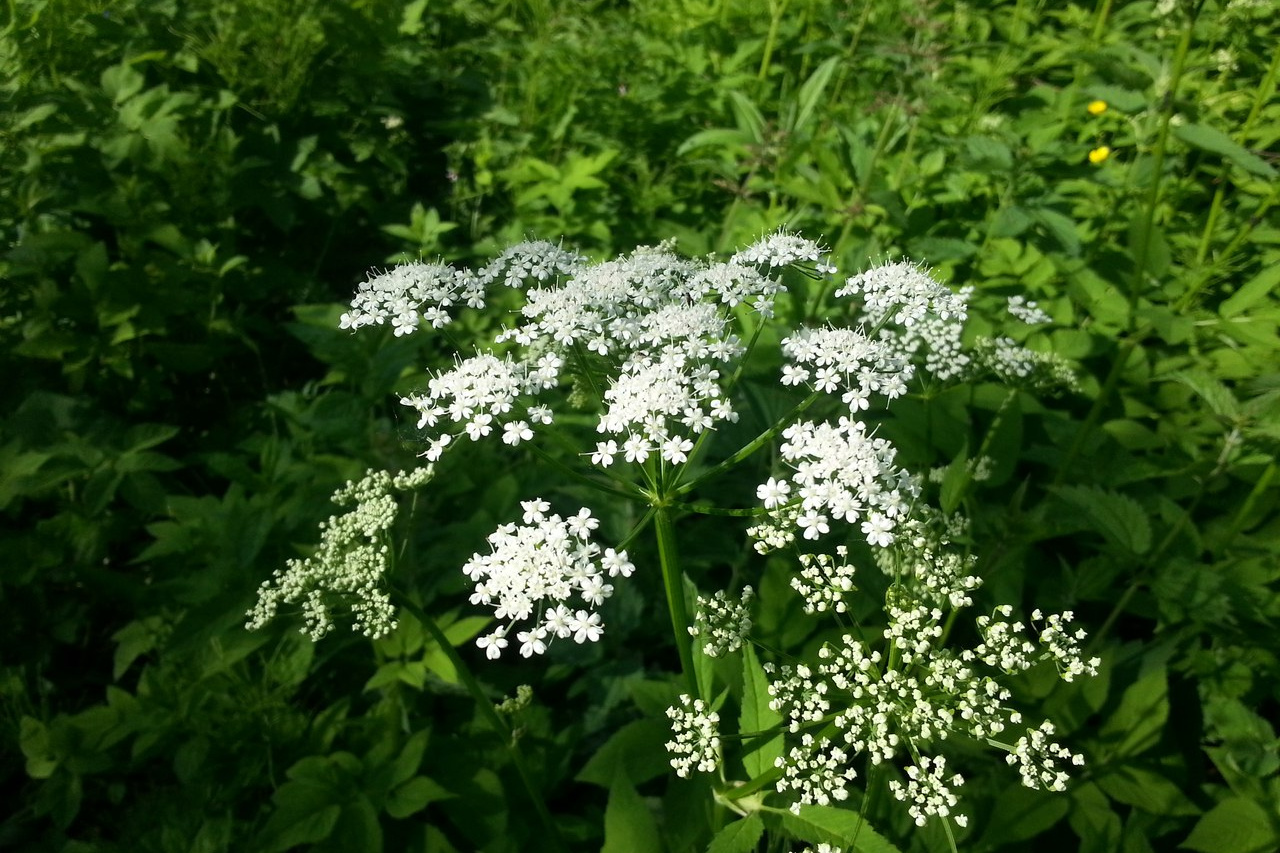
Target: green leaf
<point>1251,292</point>
<point>1235,825</point>
<point>1149,790</point>
<point>726,138</point>
<point>638,749</point>
<point>1119,518</point>
<point>628,824</point>
<point>1023,814</point>
<point>1060,227</point>
<point>843,828</point>
<point>741,836</point>
<point>989,155</point>
<point>1157,256</point>
<point>757,715</point>
<point>121,82</point>
<point>1214,393</point>
<point>747,117</point>
<point>414,795</point>
<point>811,92</point>
<point>1137,723</point>
<point>1216,142</point>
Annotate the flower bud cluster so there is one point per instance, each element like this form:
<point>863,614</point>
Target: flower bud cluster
<point>348,565</point>
<point>824,581</point>
<point>1027,311</point>
<point>697,736</point>
<point>722,624</point>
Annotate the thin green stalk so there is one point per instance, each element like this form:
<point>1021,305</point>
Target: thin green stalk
<point>673,581</point>
<point>490,713</point>
<point>1100,20</point>
<point>754,445</point>
<point>1161,149</point>
<point>777,11</point>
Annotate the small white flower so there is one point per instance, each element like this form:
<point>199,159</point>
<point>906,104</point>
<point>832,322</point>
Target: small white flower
<point>515,432</point>
<point>604,454</point>
<point>493,644</point>
<point>773,492</point>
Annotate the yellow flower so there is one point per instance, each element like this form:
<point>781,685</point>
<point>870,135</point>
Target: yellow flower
<point>1099,154</point>
<point>1097,108</point>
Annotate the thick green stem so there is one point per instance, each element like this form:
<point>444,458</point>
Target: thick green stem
<point>490,713</point>
<point>673,581</point>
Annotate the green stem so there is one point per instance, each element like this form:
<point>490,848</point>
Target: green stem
<point>673,581</point>
<point>777,10</point>
<point>759,441</point>
<point>1153,197</point>
<point>490,714</point>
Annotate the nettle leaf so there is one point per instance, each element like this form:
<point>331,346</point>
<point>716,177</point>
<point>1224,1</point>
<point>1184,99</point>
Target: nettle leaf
<point>1216,142</point>
<point>1235,825</point>
<point>1218,396</point>
<point>1119,518</point>
<point>843,828</point>
<point>741,836</point>
<point>757,715</point>
<point>629,826</point>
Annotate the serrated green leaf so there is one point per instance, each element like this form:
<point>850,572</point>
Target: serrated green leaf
<point>720,137</point>
<point>757,715</point>
<point>1214,393</point>
<point>1119,518</point>
<point>843,828</point>
<point>629,826</point>
<point>741,836</point>
<point>1216,142</point>
<point>1060,227</point>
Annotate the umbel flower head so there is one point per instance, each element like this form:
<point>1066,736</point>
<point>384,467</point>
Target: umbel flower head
<point>641,359</point>
<point>347,568</point>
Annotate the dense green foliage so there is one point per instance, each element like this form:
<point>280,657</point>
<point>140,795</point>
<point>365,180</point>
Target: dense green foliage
<point>189,191</point>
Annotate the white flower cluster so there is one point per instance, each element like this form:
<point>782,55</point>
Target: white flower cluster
<point>722,624</point>
<point>697,736</point>
<point>1037,757</point>
<point>781,250</point>
<point>847,361</point>
<point>1020,367</point>
<point>923,562</point>
<point>928,791</point>
<point>410,294</point>
<point>535,570</point>
<point>1005,647</point>
<point>914,313</point>
<point>478,393</point>
<point>1027,311</point>
<point>839,473</point>
<point>347,566</point>
<point>824,581</point>
<point>908,699</point>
